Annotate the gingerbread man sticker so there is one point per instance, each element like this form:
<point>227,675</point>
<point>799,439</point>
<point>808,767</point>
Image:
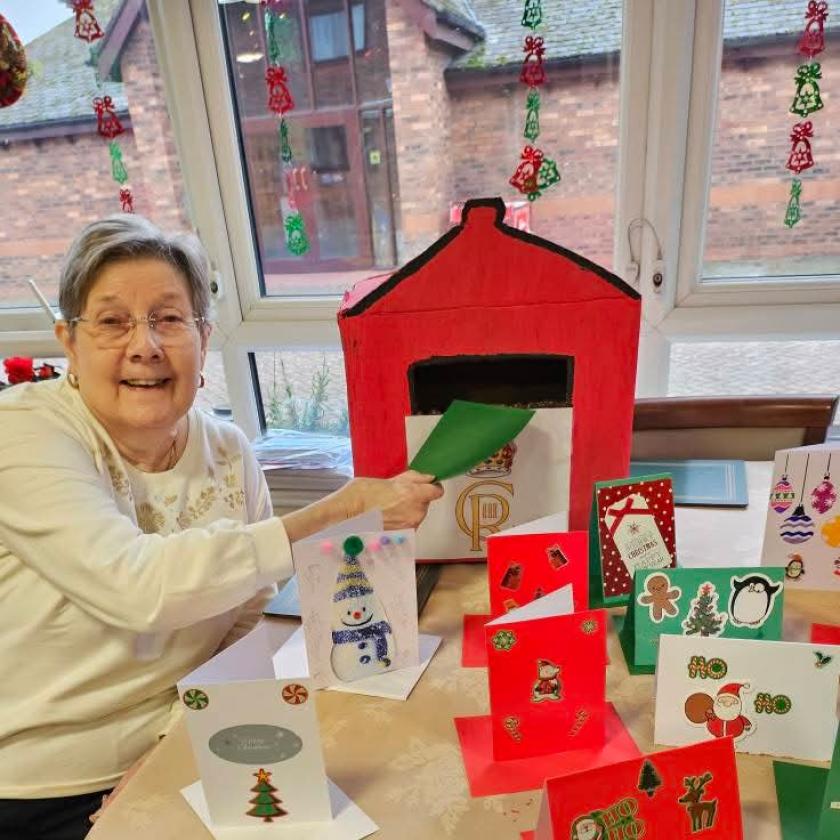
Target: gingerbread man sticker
<point>659,598</point>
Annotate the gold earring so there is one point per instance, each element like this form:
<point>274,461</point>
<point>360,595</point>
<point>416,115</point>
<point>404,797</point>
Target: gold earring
<point>73,380</point>
<point>200,379</point>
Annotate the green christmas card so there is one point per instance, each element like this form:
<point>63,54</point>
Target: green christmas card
<point>738,603</point>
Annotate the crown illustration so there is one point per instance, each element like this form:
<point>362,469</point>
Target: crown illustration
<point>499,463</point>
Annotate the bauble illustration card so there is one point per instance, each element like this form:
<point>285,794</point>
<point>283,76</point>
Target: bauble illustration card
<point>358,600</point>
<point>738,603</point>
<point>775,698</point>
<point>802,534</point>
<point>675,794</point>
<point>525,479</point>
<point>631,529</point>
<point>547,674</point>
<point>528,562</point>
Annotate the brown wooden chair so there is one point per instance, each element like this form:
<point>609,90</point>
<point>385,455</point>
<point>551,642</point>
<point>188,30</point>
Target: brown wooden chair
<point>751,428</point>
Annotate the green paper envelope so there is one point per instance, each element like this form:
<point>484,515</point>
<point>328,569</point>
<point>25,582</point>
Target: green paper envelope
<point>465,435</point>
<point>736,603</point>
<point>806,795</point>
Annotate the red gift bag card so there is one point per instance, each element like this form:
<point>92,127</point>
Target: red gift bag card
<point>547,673</point>
<point>528,562</point>
<point>675,794</point>
<point>631,528</point>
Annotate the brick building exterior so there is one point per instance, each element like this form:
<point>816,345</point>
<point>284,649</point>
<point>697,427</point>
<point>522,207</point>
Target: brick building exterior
<point>431,113</point>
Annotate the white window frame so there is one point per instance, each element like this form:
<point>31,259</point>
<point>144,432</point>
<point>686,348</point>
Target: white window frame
<point>670,64</point>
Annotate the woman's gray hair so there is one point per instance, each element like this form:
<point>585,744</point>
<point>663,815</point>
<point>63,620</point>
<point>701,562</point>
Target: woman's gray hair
<point>125,236</point>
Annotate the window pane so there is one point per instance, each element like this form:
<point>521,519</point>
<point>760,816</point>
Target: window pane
<point>56,170</point>
<point>754,367</point>
<point>213,397</point>
<point>745,232</point>
<point>303,390</point>
<point>404,127</point>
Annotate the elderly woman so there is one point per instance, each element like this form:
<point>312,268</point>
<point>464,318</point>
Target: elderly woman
<point>136,532</point>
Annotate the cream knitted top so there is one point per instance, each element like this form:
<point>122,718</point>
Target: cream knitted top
<point>114,583</point>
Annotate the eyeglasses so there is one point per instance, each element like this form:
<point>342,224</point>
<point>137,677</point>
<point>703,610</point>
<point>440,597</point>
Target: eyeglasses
<point>115,330</point>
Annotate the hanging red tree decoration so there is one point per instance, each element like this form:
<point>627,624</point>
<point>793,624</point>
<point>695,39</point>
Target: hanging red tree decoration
<point>87,26</point>
<point>800,157</point>
<point>812,41</point>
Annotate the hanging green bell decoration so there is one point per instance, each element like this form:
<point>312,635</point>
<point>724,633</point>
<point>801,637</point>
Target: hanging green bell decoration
<point>118,170</point>
<point>548,174</point>
<point>532,16</point>
<point>296,239</point>
<point>807,98</point>
<point>792,214</point>
<point>532,116</point>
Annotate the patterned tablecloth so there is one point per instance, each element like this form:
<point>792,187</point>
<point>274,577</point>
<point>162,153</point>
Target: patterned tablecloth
<point>401,761</point>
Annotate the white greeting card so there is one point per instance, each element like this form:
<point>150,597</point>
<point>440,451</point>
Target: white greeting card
<point>775,698</point>
<point>802,533</point>
<point>526,479</point>
<point>255,738</point>
<point>358,599</point>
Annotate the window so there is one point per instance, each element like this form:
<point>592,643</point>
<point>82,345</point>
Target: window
<point>328,33</point>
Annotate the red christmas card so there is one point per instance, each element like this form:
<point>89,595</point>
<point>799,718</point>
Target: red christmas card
<point>547,673</point>
<point>528,562</point>
<point>674,794</point>
<point>631,528</point>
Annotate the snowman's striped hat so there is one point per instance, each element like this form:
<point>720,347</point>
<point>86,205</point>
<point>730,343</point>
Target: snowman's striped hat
<point>351,580</point>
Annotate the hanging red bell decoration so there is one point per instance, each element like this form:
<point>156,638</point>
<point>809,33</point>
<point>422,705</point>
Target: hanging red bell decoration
<point>812,41</point>
<point>87,26</point>
<point>108,124</point>
<point>279,97</point>
<point>533,72</point>
<point>800,157</point>
<point>525,176</point>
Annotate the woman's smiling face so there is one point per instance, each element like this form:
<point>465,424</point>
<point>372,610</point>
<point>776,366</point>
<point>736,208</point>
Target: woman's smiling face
<point>144,383</point>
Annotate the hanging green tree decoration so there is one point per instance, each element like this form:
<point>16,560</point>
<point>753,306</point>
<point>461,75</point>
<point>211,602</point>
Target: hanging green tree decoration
<point>118,170</point>
<point>532,116</point>
<point>285,145</point>
<point>532,15</point>
<point>296,240</point>
<point>793,214</point>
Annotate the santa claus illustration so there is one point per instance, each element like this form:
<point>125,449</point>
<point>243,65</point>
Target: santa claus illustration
<point>724,717</point>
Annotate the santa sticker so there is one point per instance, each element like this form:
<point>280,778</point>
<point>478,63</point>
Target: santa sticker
<point>722,715</point>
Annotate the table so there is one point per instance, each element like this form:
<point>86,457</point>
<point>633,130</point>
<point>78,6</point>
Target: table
<point>401,761</point>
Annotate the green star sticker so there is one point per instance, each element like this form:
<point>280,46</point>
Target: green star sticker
<point>195,698</point>
<point>504,639</point>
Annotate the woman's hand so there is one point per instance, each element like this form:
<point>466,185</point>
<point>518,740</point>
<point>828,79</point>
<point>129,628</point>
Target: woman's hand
<point>404,500</point>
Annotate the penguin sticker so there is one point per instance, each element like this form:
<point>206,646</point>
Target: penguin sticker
<point>751,601</point>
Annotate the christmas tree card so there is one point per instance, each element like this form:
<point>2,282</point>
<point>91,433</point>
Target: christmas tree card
<point>802,534</point>
<point>631,529</point>
<point>774,698</point>
<point>525,478</point>
<point>674,794</point>
<point>738,603</point>
<point>531,560</point>
<point>358,598</point>
<point>257,746</point>
<point>809,799</point>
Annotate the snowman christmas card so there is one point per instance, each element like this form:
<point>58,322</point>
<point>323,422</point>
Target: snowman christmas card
<point>673,794</point>
<point>774,698</point>
<point>358,600</point>
<point>802,534</point>
<point>631,529</point>
<point>547,678</point>
<point>740,603</point>
<point>257,746</point>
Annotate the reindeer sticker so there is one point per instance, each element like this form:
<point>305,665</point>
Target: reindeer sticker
<point>701,814</point>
